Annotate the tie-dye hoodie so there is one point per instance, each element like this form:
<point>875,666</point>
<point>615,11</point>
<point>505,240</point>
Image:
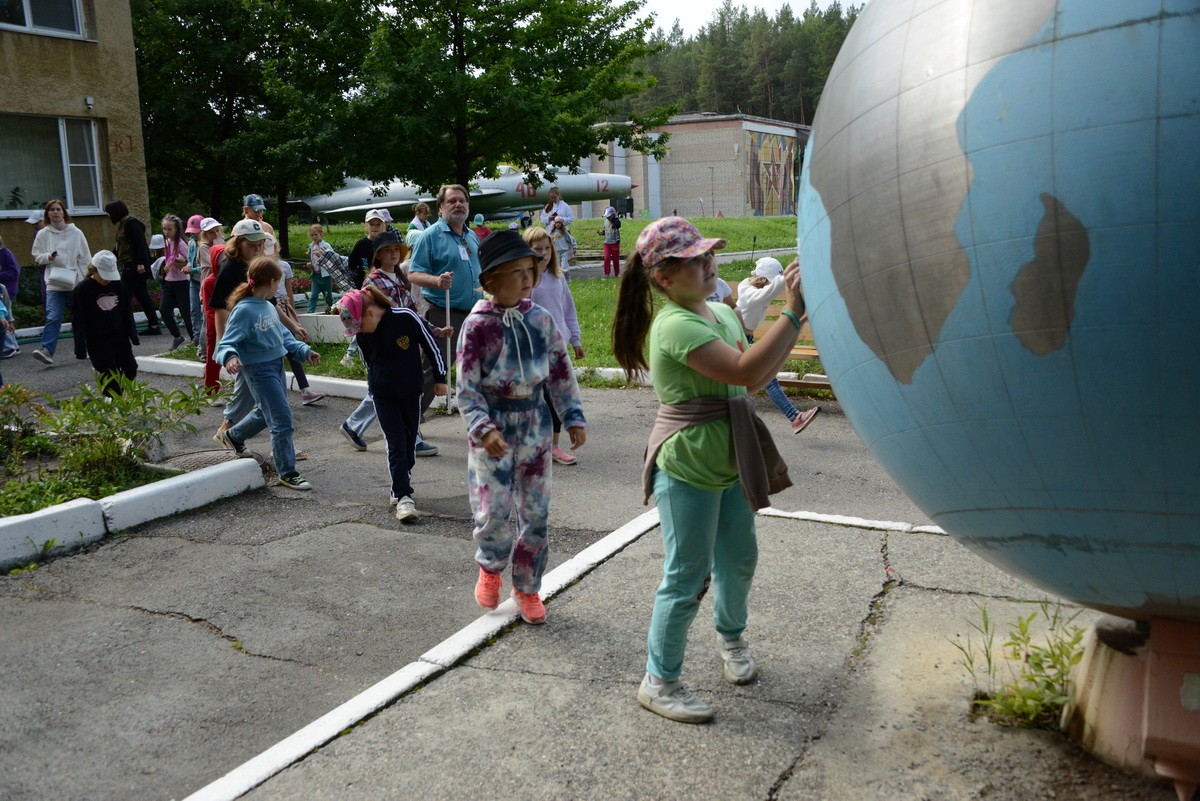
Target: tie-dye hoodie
<point>511,352</point>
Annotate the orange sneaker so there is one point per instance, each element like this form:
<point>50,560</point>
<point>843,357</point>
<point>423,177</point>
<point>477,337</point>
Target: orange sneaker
<point>487,589</point>
<point>532,609</point>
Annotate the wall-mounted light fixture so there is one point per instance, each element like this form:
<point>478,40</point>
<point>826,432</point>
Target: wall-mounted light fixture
<point>90,102</point>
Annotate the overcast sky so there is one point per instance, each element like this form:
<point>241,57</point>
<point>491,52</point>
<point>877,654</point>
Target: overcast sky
<point>693,14</point>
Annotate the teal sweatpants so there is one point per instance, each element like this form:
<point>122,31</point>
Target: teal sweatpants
<point>704,533</point>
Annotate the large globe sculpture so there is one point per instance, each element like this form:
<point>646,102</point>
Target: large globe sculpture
<point>1000,239</point>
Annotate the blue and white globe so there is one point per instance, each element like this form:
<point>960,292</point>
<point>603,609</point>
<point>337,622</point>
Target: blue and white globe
<point>1000,237</point>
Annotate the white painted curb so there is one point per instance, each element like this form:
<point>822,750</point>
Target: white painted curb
<point>433,662</point>
<point>853,522</point>
<point>162,365</point>
<point>69,524</point>
<point>81,521</point>
<point>179,493</point>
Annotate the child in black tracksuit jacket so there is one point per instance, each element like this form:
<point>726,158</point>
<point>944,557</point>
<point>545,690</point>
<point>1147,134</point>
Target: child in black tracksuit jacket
<point>102,322</point>
<point>391,339</point>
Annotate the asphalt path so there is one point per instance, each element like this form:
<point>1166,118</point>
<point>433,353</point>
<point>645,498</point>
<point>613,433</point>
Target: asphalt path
<point>161,659</point>
<point>158,660</point>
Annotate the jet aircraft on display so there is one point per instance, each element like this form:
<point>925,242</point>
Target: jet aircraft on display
<point>505,196</point>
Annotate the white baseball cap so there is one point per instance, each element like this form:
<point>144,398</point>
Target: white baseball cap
<point>157,242</point>
<point>250,230</point>
<point>375,214</point>
<point>768,267</point>
<point>105,262</point>
<point>208,223</point>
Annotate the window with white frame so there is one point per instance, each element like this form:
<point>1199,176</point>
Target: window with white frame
<point>59,17</point>
<point>45,158</point>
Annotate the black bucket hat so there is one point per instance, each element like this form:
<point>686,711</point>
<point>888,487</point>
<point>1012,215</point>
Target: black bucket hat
<point>389,239</point>
<point>501,248</point>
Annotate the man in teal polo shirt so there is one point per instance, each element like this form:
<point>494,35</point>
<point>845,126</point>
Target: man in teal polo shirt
<point>445,264</point>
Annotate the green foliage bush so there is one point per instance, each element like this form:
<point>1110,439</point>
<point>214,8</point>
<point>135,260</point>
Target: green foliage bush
<point>90,446</point>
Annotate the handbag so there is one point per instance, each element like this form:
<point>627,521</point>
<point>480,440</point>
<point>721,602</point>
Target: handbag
<point>60,279</point>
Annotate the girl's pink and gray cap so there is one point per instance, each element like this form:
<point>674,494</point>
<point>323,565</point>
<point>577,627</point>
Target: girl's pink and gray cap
<point>350,310</point>
<point>672,238</point>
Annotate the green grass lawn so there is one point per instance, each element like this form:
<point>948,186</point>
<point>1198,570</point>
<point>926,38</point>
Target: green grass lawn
<point>742,233</point>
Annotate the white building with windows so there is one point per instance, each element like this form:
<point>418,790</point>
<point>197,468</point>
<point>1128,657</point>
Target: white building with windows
<point>70,123</point>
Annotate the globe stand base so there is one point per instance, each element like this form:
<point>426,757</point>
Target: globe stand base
<point>1135,701</point>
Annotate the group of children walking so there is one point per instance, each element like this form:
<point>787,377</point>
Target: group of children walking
<point>709,462</point>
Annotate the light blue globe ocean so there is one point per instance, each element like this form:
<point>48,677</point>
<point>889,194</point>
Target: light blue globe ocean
<point>1000,238</point>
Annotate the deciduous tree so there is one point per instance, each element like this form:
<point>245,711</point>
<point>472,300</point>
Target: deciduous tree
<point>454,88</point>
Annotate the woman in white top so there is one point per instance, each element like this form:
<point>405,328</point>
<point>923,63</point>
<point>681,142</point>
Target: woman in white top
<point>61,250</point>
<point>555,207</point>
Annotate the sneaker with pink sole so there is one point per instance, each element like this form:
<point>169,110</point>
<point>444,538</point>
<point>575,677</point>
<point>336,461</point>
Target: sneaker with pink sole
<point>563,457</point>
<point>801,421</point>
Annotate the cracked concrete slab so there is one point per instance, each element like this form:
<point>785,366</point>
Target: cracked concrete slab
<point>549,712</point>
<point>903,730</point>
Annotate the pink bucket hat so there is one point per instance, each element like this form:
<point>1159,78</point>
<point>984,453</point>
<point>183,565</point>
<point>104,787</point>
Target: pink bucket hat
<point>350,312</point>
<point>193,224</point>
<point>672,238</point>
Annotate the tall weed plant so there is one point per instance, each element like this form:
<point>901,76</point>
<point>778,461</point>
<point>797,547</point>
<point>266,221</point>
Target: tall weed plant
<point>1027,679</point>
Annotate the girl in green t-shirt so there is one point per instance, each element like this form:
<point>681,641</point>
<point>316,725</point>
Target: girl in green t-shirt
<point>698,355</point>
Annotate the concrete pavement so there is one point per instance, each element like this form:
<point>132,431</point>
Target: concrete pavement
<point>154,664</point>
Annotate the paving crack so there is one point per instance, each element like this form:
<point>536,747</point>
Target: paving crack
<point>875,608</point>
<point>234,642</point>
<point>909,585</point>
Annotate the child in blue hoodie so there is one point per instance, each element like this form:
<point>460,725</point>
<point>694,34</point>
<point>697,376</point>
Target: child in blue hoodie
<point>253,344</point>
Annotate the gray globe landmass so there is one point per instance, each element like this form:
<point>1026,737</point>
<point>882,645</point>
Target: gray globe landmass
<point>999,224</point>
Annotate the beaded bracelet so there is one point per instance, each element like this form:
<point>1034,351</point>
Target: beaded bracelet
<point>788,313</point>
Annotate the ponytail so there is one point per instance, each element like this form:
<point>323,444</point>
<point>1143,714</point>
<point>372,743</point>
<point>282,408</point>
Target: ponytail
<point>631,323</point>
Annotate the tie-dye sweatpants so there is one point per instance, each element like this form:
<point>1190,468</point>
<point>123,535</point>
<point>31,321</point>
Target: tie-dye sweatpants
<point>519,479</point>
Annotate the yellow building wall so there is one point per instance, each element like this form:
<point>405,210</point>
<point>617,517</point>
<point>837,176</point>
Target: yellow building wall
<point>51,76</point>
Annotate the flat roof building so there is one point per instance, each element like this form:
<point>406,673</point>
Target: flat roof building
<point>731,165</point>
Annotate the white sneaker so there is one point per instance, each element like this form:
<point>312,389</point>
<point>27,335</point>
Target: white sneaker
<point>347,360</point>
<point>739,664</point>
<point>42,356</point>
<point>673,701</point>
<point>405,509</point>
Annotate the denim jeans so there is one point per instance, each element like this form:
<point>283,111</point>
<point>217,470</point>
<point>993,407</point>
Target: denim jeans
<point>704,532</point>
<point>242,401</point>
<point>197,311</point>
<point>269,389</point>
<point>778,396</point>
<point>362,417</point>
<point>56,304</point>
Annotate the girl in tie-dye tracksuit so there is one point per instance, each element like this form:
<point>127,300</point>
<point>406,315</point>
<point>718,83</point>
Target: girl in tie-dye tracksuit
<point>509,349</point>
